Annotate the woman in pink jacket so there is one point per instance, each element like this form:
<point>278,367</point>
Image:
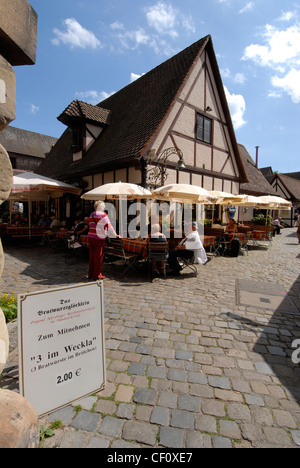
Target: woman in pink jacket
<point>99,227</point>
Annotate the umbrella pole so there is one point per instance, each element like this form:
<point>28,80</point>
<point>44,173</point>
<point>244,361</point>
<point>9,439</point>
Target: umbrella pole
<point>29,215</point>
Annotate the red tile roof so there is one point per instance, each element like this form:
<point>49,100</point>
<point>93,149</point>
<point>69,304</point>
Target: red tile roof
<point>82,111</point>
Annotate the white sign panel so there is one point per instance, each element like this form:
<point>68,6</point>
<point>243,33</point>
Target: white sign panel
<point>61,345</point>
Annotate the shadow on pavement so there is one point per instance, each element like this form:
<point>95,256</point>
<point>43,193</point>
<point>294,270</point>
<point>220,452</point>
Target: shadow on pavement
<point>275,343</point>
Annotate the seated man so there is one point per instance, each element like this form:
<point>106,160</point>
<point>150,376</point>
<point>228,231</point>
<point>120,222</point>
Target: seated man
<point>277,225</point>
<point>191,246</point>
<point>82,228</point>
<point>53,228</point>
<point>157,236</point>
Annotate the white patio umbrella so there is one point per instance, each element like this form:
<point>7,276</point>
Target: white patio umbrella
<point>184,193</point>
<point>29,187</point>
<point>117,190</point>
<point>226,198</point>
<point>39,186</point>
<point>275,202</point>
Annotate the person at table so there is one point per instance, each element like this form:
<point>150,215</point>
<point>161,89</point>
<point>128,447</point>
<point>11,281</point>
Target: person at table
<point>277,225</point>
<point>44,221</point>
<point>156,236</point>
<point>190,247</point>
<point>82,228</point>
<point>53,228</point>
<point>55,224</point>
<point>232,227</point>
<point>99,227</point>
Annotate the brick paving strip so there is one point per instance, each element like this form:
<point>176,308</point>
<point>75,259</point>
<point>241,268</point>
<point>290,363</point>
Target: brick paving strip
<point>187,366</point>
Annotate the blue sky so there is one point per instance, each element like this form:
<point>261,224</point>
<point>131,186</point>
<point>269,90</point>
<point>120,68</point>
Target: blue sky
<point>89,49</point>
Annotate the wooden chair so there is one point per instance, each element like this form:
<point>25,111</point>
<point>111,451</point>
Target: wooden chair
<point>115,251</point>
<point>158,252</point>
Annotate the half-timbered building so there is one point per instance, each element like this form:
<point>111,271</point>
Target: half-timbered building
<point>179,107</point>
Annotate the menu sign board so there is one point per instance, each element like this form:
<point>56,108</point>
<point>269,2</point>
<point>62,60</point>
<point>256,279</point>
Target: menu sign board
<point>61,345</point>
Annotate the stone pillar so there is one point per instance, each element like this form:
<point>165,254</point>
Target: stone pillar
<point>19,424</point>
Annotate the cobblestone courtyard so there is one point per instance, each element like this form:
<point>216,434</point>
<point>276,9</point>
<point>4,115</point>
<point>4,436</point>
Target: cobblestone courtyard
<point>190,363</point>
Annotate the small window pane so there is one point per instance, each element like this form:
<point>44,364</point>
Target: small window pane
<point>204,128</point>
<point>207,130</point>
<point>200,125</point>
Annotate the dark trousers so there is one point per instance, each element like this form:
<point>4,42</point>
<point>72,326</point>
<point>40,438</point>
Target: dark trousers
<point>175,254</point>
<point>96,257</point>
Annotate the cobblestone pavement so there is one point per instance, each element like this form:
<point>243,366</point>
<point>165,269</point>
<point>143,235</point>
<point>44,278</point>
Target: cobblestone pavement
<point>189,364</point>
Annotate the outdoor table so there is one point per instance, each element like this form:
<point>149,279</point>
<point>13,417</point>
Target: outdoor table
<point>208,241</point>
<point>64,234</point>
<point>138,246</point>
<point>241,236</point>
<point>260,235</point>
<point>84,241</point>
<point>25,231</point>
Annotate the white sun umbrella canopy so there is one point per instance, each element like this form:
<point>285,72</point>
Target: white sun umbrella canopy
<point>117,190</point>
<point>251,200</point>
<point>31,186</point>
<point>275,202</point>
<point>226,198</point>
<point>183,193</point>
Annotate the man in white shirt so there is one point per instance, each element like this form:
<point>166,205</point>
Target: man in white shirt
<point>277,225</point>
<point>190,247</point>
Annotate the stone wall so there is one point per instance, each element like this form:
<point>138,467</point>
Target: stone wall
<point>19,424</point>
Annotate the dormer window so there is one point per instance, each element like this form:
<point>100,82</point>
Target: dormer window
<point>77,140</point>
<point>85,122</point>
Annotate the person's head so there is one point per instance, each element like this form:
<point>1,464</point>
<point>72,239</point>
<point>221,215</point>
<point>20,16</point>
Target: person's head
<point>86,220</point>
<point>155,228</point>
<point>99,205</point>
<point>193,226</point>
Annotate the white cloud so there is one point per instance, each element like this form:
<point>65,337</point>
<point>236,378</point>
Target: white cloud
<point>237,107</point>
<point>286,16</point>
<point>75,36</point>
<point>247,8</point>
<point>290,83</point>
<point>282,46</point>
<point>238,78</point>
<point>163,18</point>
<point>117,25</point>
<point>167,20</point>
<point>92,96</point>
<point>164,24</point>
<point>281,53</point>
<point>134,76</point>
<point>34,109</point>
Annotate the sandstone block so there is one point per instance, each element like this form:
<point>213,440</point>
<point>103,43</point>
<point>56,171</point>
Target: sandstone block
<point>6,175</point>
<point>19,422</point>
<point>7,93</point>
<point>18,32</point>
